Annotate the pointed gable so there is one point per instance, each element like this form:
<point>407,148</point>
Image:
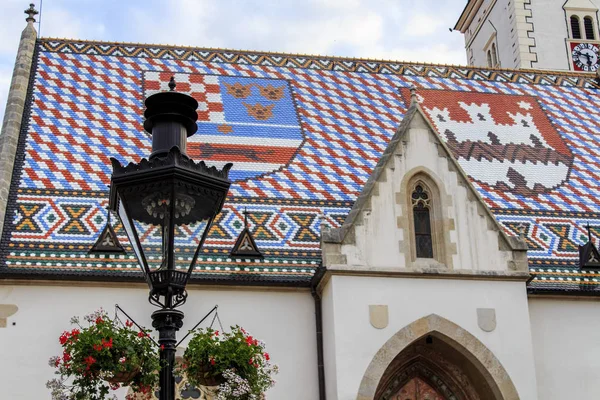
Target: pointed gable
<point>107,240</point>
<point>589,257</point>
<point>381,231</point>
<point>245,245</point>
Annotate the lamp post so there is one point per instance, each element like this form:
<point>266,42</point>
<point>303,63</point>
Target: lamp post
<point>158,200</point>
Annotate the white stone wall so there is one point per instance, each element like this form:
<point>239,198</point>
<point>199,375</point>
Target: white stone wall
<point>283,319</point>
<point>380,243</point>
<point>356,341</point>
<point>550,33</point>
<point>495,21</point>
<point>566,347</point>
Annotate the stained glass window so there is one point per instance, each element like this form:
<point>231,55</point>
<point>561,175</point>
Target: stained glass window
<point>422,222</point>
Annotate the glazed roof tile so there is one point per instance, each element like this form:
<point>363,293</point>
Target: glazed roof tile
<point>304,134</point>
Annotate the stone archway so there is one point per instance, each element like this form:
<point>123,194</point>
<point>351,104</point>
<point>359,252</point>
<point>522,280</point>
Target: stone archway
<point>406,356</point>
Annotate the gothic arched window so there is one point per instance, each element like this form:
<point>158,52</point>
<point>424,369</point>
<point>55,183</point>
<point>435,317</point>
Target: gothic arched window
<point>422,222</point>
<point>575,28</point>
<point>588,25</point>
<point>489,58</point>
<point>494,55</point>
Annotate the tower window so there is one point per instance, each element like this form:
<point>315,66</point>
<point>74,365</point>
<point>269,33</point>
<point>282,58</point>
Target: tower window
<point>489,58</point>
<point>589,28</point>
<point>494,55</point>
<point>422,222</point>
<point>575,28</point>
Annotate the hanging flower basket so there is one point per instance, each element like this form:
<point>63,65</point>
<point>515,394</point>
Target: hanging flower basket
<point>206,375</point>
<point>122,376</point>
<point>235,362</point>
<point>103,357</point>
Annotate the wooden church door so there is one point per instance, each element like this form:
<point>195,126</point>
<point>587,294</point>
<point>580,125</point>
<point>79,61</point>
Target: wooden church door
<point>417,389</point>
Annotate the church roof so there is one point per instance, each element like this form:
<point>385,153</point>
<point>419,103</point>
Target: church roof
<point>304,134</point>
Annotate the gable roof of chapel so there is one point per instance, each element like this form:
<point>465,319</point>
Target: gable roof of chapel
<point>305,134</point>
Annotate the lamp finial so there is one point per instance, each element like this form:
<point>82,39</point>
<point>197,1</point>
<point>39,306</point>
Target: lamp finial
<point>172,84</point>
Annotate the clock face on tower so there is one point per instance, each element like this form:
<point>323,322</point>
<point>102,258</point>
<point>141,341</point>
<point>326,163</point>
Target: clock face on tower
<point>585,56</point>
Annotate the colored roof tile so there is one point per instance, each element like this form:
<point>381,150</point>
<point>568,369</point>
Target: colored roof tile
<point>304,134</point>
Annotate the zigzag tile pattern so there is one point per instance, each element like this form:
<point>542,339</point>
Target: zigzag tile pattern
<point>306,132</point>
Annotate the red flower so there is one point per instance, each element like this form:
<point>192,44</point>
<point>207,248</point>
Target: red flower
<point>141,334</point>
<point>128,323</point>
<point>249,340</point>
<point>99,320</point>
<point>251,361</point>
<point>216,333</point>
<point>162,347</point>
<point>255,342</point>
<point>89,360</point>
<point>267,357</point>
<point>115,386</point>
<point>74,333</point>
<point>97,347</point>
<point>107,343</point>
<point>212,361</point>
<point>64,337</point>
<point>255,365</point>
<point>57,362</point>
<point>66,356</point>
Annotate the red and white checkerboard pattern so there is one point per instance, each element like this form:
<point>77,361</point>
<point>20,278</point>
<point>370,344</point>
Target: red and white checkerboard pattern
<point>204,88</point>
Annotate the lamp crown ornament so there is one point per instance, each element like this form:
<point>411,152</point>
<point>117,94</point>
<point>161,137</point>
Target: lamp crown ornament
<point>31,13</point>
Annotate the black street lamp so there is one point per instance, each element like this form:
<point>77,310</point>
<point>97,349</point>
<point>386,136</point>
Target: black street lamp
<point>160,200</point>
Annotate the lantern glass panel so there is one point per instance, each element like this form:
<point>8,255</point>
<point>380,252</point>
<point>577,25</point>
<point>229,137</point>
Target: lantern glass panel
<point>167,219</point>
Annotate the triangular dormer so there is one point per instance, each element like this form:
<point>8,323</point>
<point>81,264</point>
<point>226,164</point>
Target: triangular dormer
<point>589,257</point>
<point>419,210</point>
<point>245,245</point>
<point>107,241</point>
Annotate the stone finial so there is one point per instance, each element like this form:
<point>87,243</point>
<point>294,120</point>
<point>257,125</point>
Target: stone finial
<point>245,217</point>
<point>172,84</point>
<point>413,95</point>
<point>31,13</point>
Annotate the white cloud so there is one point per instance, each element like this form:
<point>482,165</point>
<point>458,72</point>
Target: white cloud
<point>422,24</point>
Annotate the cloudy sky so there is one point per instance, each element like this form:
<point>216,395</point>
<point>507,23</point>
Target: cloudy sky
<point>403,30</point>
